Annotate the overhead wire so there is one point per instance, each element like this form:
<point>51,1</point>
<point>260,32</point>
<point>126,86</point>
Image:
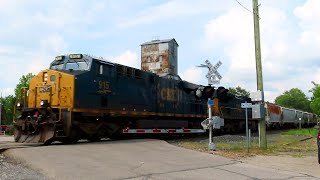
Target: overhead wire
<point>244,7</point>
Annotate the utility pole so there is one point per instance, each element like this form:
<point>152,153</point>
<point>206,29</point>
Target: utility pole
<point>262,121</point>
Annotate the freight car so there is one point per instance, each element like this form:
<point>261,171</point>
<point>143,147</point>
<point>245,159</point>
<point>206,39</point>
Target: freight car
<point>281,117</point>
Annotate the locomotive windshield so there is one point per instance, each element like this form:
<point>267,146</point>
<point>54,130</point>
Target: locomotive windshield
<point>77,64</point>
<point>71,62</point>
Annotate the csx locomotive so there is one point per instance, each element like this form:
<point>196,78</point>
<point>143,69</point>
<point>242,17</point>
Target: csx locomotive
<point>81,96</point>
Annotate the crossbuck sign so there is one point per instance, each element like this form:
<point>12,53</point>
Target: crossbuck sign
<point>213,75</point>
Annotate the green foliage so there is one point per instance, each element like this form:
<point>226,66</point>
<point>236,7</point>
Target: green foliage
<point>301,132</point>
<point>294,98</point>
<point>3,111</point>
<point>315,103</point>
<point>239,91</point>
<point>23,82</point>
<point>8,104</point>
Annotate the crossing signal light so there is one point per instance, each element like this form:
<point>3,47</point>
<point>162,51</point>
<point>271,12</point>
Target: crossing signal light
<point>205,92</point>
<point>221,92</point>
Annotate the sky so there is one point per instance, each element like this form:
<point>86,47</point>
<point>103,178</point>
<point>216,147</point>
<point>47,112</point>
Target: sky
<point>33,32</point>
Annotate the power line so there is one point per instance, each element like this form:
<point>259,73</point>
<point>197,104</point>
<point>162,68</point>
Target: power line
<point>246,7</point>
<point>243,6</point>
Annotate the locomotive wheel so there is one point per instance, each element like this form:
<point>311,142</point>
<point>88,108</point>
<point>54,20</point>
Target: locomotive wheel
<point>73,137</point>
<point>118,135</point>
<point>48,142</point>
<point>94,138</point>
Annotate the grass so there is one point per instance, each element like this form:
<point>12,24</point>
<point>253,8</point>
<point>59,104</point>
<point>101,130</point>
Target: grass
<point>302,132</point>
<point>292,142</point>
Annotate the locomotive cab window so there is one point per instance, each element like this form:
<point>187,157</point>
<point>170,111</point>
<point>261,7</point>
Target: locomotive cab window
<point>57,65</point>
<point>77,64</point>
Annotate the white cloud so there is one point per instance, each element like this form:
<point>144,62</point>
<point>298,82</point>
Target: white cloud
<point>6,91</point>
<point>6,50</point>
<point>173,9</point>
<point>128,58</point>
<point>282,56</point>
<point>309,39</point>
<point>307,13</point>
<point>55,44</point>
<point>193,74</point>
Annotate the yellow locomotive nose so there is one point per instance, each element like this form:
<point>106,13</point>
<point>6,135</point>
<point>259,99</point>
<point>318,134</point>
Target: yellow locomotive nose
<point>51,88</point>
<point>50,92</point>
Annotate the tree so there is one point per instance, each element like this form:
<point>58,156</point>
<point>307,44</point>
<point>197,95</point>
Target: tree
<point>294,98</point>
<point>3,111</point>
<point>8,104</point>
<point>239,91</point>
<point>315,100</point>
<point>23,82</point>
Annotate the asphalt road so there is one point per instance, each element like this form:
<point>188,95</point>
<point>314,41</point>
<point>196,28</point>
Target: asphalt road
<point>138,159</point>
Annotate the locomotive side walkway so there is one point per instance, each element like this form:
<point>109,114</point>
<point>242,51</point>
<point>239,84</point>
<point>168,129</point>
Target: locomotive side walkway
<point>138,159</point>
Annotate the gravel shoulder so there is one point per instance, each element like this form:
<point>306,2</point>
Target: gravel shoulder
<point>14,169</point>
<point>11,169</point>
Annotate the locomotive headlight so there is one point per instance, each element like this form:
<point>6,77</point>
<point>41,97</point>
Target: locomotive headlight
<point>19,105</point>
<point>45,77</point>
<point>44,103</point>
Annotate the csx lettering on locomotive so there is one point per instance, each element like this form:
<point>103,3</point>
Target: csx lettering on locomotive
<point>169,94</point>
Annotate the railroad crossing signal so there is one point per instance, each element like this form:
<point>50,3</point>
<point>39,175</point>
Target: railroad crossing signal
<point>213,75</point>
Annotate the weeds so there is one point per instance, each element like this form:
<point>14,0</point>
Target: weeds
<point>288,143</point>
<point>301,132</point>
